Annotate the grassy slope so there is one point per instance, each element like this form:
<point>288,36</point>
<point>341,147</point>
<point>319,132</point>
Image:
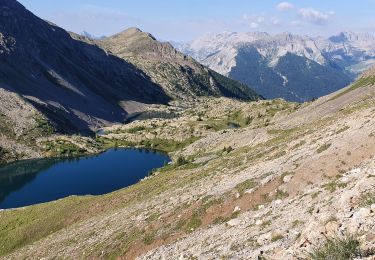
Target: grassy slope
<point>362,82</point>
<point>22,227</point>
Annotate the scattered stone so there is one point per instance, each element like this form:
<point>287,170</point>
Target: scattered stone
<point>362,213</point>
<point>233,222</point>
<point>331,228</point>
<point>287,178</point>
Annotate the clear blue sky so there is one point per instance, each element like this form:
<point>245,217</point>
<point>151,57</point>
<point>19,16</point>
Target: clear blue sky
<point>186,19</point>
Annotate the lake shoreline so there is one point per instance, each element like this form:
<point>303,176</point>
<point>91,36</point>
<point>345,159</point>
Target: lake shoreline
<point>89,154</point>
<point>31,182</point>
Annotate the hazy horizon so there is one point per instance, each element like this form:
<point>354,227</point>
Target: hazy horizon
<point>186,20</point>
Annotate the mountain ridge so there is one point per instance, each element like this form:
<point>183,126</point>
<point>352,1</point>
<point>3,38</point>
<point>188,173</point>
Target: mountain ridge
<point>347,56</point>
<point>68,76</point>
<point>179,75</point>
<point>43,61</point>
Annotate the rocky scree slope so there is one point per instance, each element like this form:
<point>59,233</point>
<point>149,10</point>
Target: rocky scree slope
<point>268,63</point>
<point>20,124</point>
<point>66,78</point>
<point>288,178</point>
<point>180,76</point>
<point>26,133</point>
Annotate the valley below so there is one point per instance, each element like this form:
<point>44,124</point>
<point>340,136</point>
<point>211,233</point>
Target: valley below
<point>268,179</point>
<point>231,146</point>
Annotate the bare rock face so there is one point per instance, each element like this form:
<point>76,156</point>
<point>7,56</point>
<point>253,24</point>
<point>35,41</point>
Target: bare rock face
<point>18,126</point>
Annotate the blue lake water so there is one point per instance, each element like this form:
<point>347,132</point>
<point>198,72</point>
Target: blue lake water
<point>31,182</point>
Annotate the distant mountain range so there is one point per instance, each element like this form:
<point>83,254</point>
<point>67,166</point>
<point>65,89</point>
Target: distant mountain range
<point>79,86</point>
<point>91,36</point>
<point>297,68</point>
<point>181,77</point>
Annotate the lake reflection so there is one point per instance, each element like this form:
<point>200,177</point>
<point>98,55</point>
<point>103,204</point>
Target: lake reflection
<point>36,181</point>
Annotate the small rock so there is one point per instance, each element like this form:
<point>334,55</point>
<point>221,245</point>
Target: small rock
<point>358,219</point>
<point>237,195</point>
<point>331,228</point>
<point>262,239</point>
<point>344,179</point>
<point>236,209</point>
<point>258,222</point>
<point>369,238</point>
<point>373,206</point>
<point>287,178</point>
<point>363,213</point>
<point>233,222</point>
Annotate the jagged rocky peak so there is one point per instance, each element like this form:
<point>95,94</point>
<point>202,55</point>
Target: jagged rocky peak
<point>218,40</point>
<point>280,65</point>
<point>238,36</point>
<point>351,37</point>
<point>134,42</point>
<point>133,32</point>
<point>341,37</point>
<point>287,36</point>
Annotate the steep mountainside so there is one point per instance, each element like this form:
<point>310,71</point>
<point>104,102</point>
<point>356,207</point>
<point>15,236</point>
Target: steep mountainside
<point>80,87</point>
<point>290,181</point>
<point>268,63</point>
<point>66,78</point>
<point>180,76</point>
<point>293,78</point>
<point>355,52</point>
